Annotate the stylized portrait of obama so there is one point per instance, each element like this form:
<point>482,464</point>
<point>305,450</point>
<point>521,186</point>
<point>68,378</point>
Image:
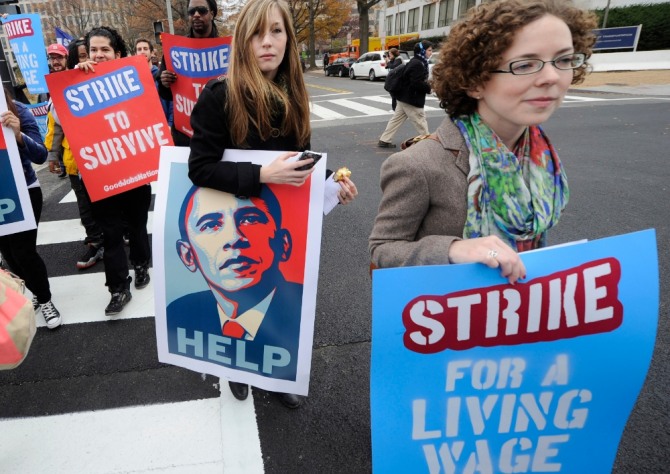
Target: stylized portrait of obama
<point>249,318</point>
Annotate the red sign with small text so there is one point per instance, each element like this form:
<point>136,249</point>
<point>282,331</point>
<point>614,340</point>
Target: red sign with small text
<point>114,123</point>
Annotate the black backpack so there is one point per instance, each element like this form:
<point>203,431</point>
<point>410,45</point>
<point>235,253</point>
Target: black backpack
<point>394,79</point>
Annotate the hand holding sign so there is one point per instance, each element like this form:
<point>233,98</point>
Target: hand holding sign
<point>492,252</point>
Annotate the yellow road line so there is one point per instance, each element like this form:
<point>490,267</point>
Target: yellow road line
<point>330,89</point>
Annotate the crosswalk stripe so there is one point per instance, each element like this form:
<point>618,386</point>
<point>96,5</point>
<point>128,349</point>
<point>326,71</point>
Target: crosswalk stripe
<point>387,100</point>
<point>69,230</point>
<point>204,436</point>
<point>378,98</point>
<point>325,113</point>
<point>82,299</point>
<point>366,109</point>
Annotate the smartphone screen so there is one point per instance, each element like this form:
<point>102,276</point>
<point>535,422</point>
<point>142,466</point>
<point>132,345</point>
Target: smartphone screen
<point>309,154</point>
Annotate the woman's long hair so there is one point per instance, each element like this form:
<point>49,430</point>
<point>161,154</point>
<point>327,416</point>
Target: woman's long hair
<point>251,94</point>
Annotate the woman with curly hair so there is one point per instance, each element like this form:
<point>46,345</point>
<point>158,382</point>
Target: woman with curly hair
<point>124,212</point>
<point>488,183</point>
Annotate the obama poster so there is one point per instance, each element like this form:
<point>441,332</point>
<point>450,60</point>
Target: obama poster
<point>236,276</point>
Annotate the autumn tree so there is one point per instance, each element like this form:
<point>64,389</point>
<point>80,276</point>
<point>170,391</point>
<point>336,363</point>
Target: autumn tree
<point>75,17</point>
<point>364,20</point>
<point>142,14</point>
<point>321,23</point>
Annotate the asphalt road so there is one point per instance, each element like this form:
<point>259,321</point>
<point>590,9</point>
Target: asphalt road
<point>615,153</point>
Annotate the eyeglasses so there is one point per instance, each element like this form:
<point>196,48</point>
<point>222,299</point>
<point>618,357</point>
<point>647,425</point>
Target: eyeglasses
<point>531,66</point>
<point>201,10</point>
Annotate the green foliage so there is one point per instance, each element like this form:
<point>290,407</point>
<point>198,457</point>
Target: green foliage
<point>655,21</point>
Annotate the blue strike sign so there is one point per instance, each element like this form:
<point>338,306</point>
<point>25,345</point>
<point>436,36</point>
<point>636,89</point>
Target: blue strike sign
<point>103,92</point>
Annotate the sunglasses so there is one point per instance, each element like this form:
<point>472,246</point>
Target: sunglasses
<point>201,10</point>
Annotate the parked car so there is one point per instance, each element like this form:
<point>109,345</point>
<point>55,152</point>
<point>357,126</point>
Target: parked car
<point>339,67</point>
<point>373,65</point>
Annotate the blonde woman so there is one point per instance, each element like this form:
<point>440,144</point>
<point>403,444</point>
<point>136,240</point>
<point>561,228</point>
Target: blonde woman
<point>262,104</point>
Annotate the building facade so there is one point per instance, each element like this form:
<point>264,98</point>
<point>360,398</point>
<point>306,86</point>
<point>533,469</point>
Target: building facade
<point>75,17</point>
<point>435,17</point>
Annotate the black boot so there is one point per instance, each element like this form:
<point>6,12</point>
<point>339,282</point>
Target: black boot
<point>142,277</point>
<point>120,297</point>
<point>239,390</point>
<point>290,400</point>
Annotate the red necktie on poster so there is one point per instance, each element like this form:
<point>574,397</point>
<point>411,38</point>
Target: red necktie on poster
<point>233,329</point>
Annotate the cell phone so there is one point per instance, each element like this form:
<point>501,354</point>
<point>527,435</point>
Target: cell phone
<point>308,154</point>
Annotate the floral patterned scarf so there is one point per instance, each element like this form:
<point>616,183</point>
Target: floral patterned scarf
<point>515,195</point>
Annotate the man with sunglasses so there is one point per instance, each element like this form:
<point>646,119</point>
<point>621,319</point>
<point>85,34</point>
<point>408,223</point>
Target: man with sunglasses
<point>201,14</point>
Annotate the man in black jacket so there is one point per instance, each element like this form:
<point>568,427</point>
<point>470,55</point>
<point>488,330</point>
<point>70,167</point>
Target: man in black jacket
<point>201,15</point>
<point>412,98</point>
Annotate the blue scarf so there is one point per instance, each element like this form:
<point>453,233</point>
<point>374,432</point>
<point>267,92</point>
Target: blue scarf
<point>421,55</point>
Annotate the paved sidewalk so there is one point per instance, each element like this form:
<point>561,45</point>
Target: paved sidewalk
<point>651,83</point>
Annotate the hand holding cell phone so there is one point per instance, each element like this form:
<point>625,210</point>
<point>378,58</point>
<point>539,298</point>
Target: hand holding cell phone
<point>309,154</point>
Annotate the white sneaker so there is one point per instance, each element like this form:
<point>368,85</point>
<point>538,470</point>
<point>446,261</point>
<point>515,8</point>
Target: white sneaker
<point>51,315</point>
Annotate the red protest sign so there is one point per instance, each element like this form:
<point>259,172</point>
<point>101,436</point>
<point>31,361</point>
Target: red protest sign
<point>114,123</point>
<point>195,61</point>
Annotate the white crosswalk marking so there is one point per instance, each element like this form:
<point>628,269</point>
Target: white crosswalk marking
<point>323,109</point>
<point>69,230</point>
<point>357,106</point>
<point>176,437</point>
<point>82,299</point>
<point>325,113</point>
<point>378,98</point>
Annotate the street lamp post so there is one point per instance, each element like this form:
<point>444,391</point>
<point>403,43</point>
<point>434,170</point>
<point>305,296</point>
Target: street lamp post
<point>169,16</point>
<point>607,10</point>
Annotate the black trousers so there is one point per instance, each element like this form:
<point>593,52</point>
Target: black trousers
<point>129,209</point>
<point>20,252</point>
<point>93,230</point>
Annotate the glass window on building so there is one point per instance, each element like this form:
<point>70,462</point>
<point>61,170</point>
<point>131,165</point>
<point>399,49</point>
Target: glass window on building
<point>464,6</point>
<point>413,20</point>
<point>389,25</point>
<point>428,18</point>
<point>400,23</point>
<point>446,13</point>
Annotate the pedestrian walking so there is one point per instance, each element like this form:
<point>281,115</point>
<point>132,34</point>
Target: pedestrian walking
<point>393,60</point>
<point>126,211</point>
<point>488,183</point>
<point>59,150</point>
<point>412,97</point>
<point>19,250</point>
